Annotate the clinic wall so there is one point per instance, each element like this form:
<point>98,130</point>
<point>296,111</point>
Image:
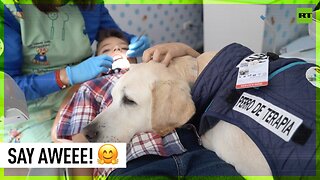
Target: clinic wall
<point>282,28</point>
<point>241,23</point>
<point>162,23</point>
<point>228,23</point>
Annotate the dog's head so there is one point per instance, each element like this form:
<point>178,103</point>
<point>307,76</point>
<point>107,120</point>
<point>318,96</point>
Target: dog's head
<point>148,98</point>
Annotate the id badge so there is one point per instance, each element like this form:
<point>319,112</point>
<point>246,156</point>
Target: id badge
<point>253,71</point>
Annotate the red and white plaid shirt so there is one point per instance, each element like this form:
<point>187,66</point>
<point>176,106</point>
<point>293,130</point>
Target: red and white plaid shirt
<point>92,97</point>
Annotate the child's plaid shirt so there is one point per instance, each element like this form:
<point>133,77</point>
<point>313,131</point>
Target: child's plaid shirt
<point>92,97</point>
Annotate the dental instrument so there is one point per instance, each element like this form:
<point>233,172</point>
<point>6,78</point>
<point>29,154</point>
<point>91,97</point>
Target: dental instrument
<point>143,33</point>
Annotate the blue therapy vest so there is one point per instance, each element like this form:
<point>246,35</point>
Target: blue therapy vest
<point>215,97</point>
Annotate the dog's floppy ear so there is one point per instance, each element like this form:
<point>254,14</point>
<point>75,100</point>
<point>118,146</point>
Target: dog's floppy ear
<point>172,105</point>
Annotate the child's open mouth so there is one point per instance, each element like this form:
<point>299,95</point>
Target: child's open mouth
<point>117,57</point>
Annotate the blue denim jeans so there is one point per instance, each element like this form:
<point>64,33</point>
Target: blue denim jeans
<point>197,161</point>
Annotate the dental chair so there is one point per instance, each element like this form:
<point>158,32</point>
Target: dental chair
<point>15,104</point>
<point>15,110</point>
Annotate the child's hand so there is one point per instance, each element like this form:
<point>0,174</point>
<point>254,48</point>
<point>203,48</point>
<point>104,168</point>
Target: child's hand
<point>79,138</point>
<point>75,138</point>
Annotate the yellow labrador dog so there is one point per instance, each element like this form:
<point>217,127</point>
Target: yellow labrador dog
<point>232,144</point>
<point>152,97</point>
<point>149,97</point>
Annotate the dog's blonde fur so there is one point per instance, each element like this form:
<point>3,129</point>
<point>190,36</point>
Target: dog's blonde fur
<point>149,97</point>
<point>159,101</point>
<point>171,106</point>
<point>232,144</point>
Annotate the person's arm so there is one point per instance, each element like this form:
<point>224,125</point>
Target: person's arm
<point>36,86</point>
<point>165,52</point>
<point>33,86</point>
<point>72,118</point>
<point>65,101</point>
<point>81,173</point>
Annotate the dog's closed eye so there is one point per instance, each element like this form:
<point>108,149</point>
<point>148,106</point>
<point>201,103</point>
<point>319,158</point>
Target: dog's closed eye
<point>127,101</point>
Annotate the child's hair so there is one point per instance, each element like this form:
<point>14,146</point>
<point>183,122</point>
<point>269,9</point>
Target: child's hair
<point>105,33</point>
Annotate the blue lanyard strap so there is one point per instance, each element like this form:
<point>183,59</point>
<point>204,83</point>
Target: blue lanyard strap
<point>285,68</point>
<point>273,74</point>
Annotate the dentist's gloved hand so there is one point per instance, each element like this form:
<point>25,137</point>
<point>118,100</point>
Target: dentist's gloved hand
<point>88,69</point>
<point>137,47</point>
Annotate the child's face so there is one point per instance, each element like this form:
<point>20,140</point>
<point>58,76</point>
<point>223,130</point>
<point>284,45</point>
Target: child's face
<point>114,47</point>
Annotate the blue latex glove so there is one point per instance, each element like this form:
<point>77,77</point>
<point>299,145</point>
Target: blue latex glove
<point>89,69</point>
<point>137,47</point>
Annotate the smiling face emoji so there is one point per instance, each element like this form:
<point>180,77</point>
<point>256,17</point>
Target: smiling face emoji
<point>108,154</point>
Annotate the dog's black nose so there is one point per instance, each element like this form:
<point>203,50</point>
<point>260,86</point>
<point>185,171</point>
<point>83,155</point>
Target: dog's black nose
<point>90,132</point>
<point>92,136</point>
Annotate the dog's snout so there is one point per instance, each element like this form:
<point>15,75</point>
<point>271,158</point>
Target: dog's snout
<point>92,136</point>
<point>90,132</point>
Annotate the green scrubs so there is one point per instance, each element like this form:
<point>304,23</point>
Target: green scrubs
<point>50,41</point>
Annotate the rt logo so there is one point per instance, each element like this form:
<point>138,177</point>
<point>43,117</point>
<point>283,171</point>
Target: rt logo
<point>304,15</point>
